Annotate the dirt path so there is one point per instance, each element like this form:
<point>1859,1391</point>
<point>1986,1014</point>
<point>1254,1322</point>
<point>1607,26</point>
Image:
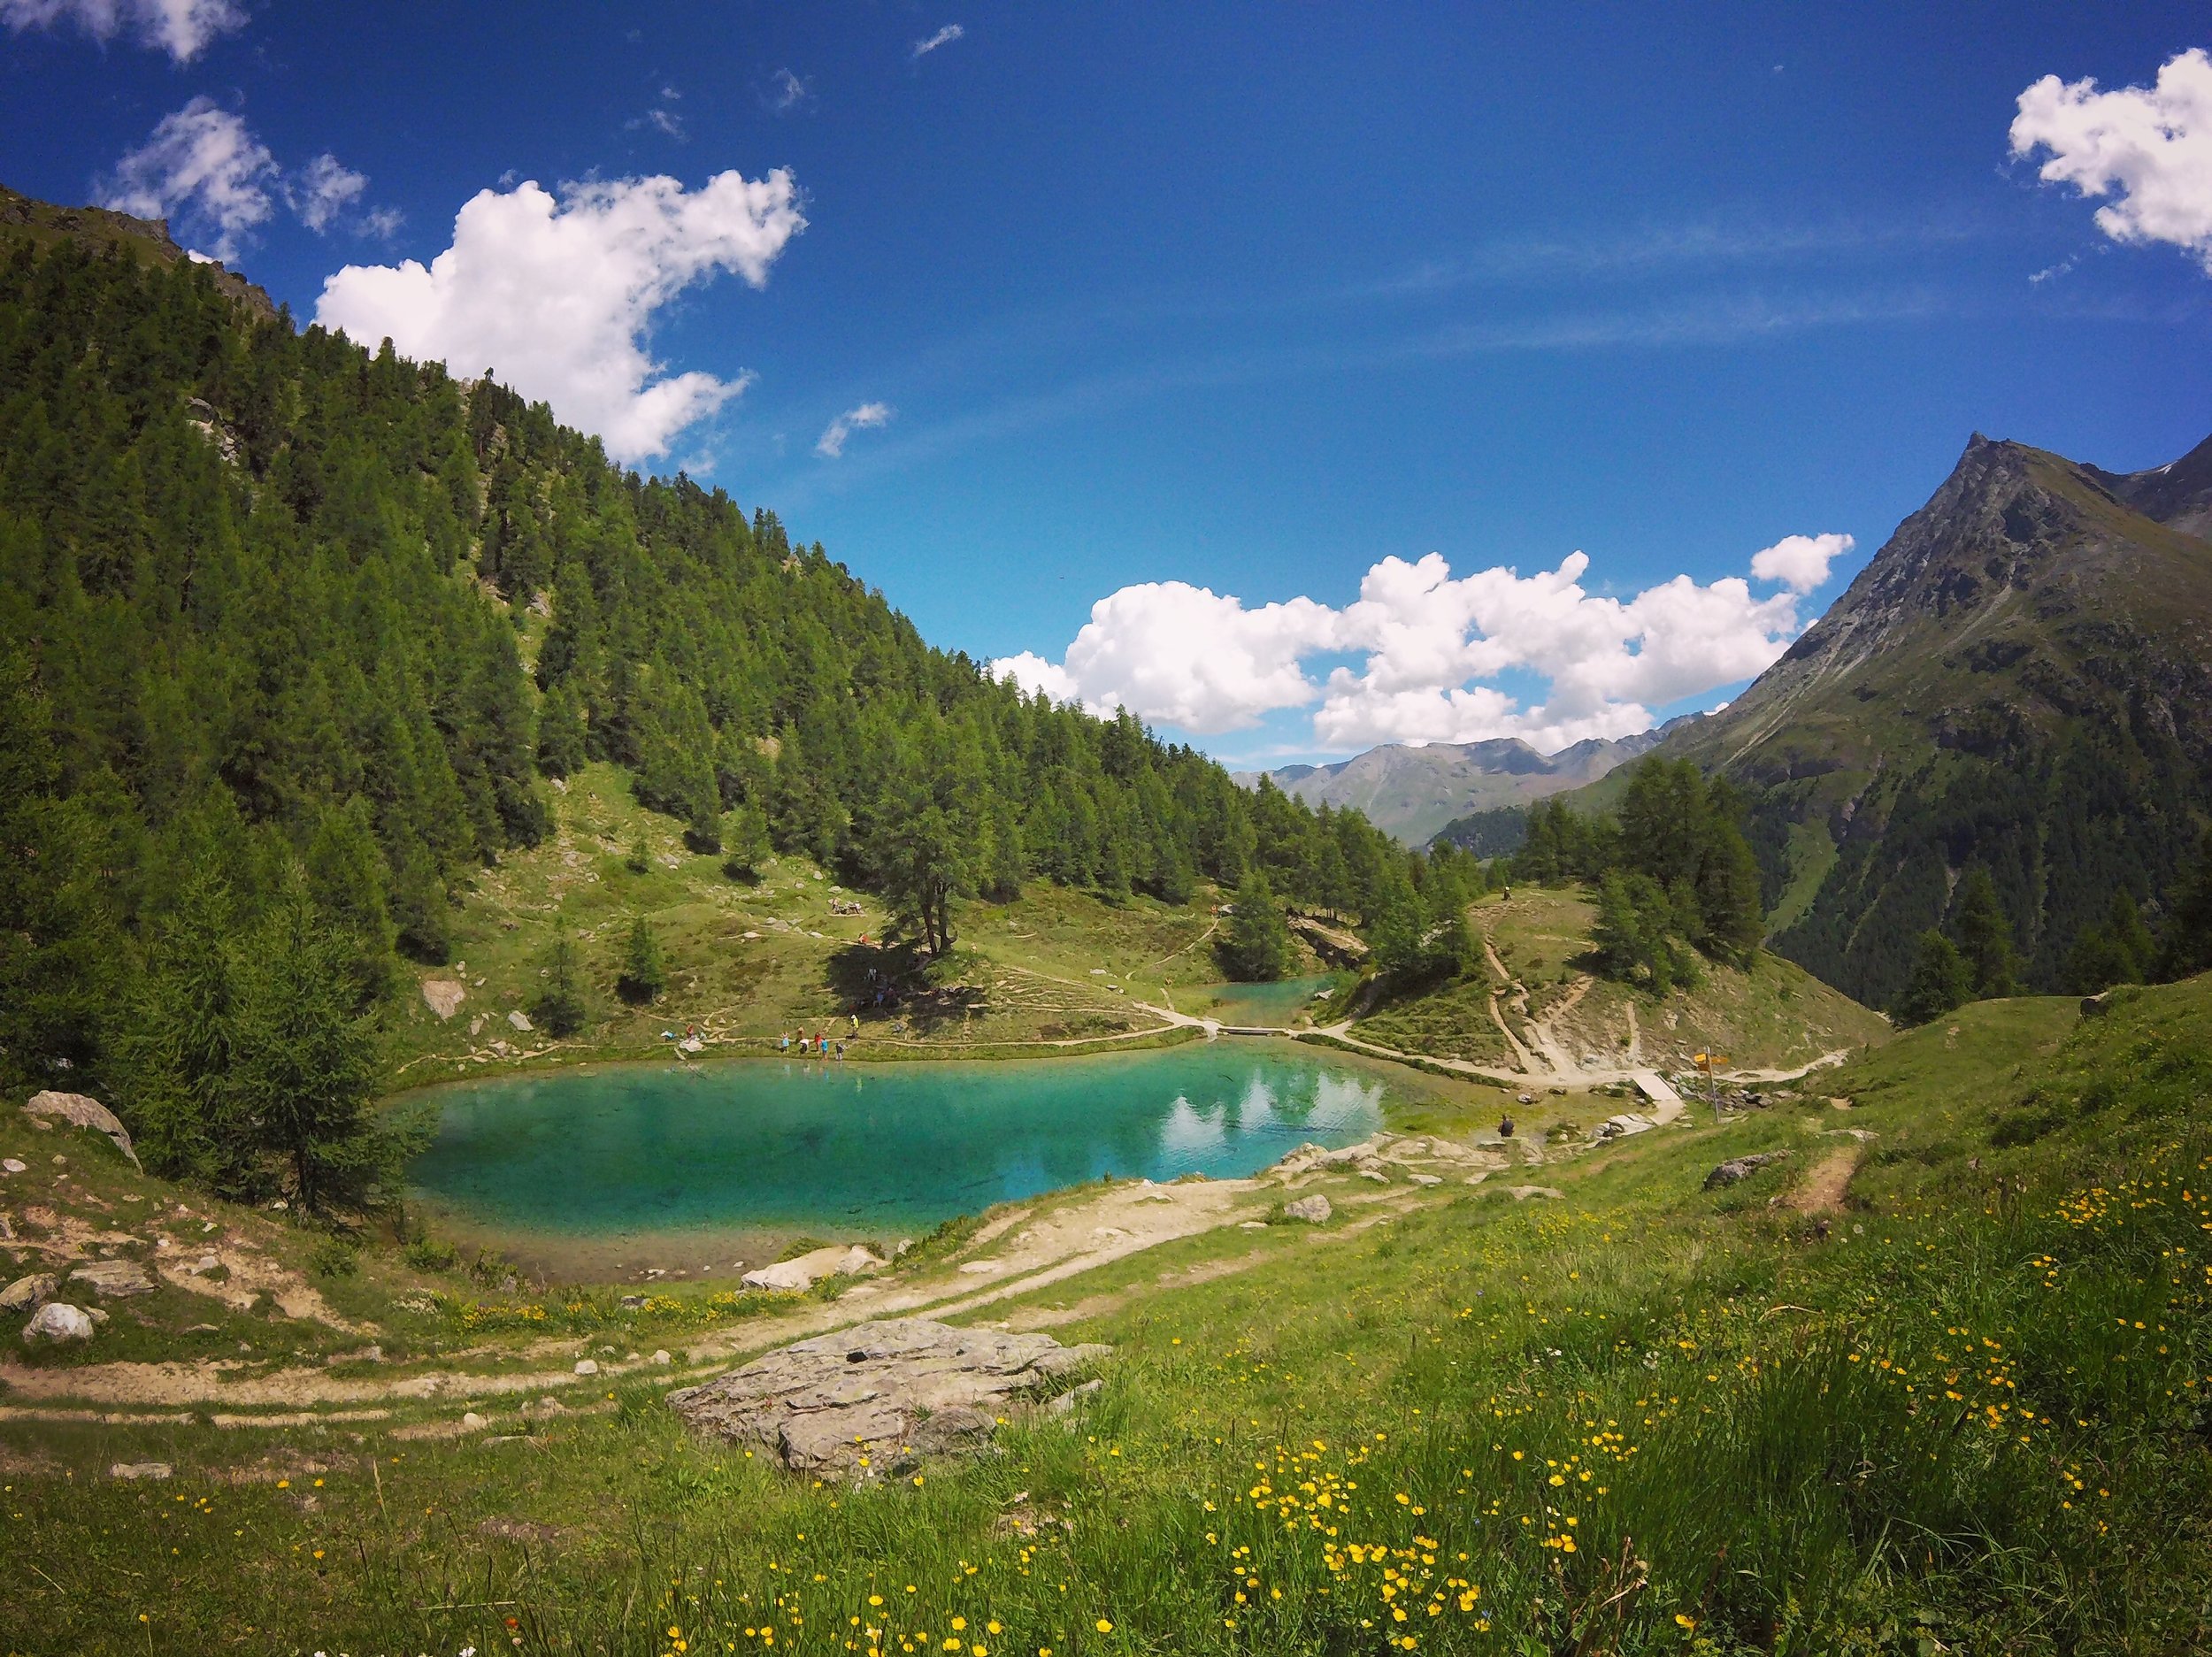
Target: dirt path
<point>1544,1031</point>
<point>1635,1036</point>
<point>1821,1191</point>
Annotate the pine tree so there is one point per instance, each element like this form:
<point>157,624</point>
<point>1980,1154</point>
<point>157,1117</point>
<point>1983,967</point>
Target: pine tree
<point>746,843</point>
<point>1942,979</point>
<point>559,1008</point>
<point>304,1065</point>
<point>1258,948</point>
<point>1984,936</point>
<point>2185,948</point>
<point>644,973</point>
<point>2120,951</point>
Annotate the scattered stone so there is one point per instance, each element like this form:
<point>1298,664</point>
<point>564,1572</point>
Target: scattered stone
<point>28,1294</point>
<point>1425,1179</point>
<point>661,1359</point>
<point>13,1166</point>
<point>520,1019</point>
<point>82,1111</point>
<point>1064,1405</point>
<point>1313,1210</point>
<point>633,1302</point>
<point>1738,1168</point>
<point>872,1399</point>
<point>443,996</point>
<point>140,1469</point>
<point>57,1322</point>
<point>1251,1225</point>
<point>803,1272</point>
<point>982,1267</point>
<point>116,1280</point>
<point>1621,1126</point>
<point>98,1317</point>
<point>470,1420</point>
<point>1375,1174</point>
<point>1522,1193</point>
<point>587,1366</point>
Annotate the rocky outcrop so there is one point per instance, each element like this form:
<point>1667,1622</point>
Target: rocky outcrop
<point>873,1398</point>
<point>1740,1168</point>
<point>83,1111</point>
<point>1313,1210</point>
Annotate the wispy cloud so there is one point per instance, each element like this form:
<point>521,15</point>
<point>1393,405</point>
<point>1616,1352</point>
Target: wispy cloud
<point>184,28</point>
<point>944,36</point>
<point>830,445</point>
<point>787,92</point>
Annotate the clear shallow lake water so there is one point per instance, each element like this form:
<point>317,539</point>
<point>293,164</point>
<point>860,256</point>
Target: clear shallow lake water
<point>762,1147</point>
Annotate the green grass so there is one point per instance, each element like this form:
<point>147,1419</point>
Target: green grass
<point>1965,1414</point>
<point>1055,970</point>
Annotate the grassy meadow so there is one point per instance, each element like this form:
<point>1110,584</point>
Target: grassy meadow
<point>1932,1381</point>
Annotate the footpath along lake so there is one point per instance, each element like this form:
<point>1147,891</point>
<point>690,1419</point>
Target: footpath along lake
<point>606,1172</point>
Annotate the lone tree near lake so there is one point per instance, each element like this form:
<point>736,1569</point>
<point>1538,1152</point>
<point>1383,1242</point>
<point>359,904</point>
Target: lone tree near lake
<point>644,972</point>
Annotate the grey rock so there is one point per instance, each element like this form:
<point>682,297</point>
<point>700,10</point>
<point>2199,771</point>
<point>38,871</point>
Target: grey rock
<point>114,1279</point>
<point>875,1398</point>
<point>85,1112</point>
<point>631,1303</point>
<point>1314,1210</point>
<point>28,1294</point>
<point>1065,1404</point>
<point>140,1469</point>
<point>1522,1193</point>
<point>587,1366</point>
<point>57,1322</point>
<point>1738,1168</point>
<point>661,1359</point>
<point>1425,1179</point>
<point>520,1019</point>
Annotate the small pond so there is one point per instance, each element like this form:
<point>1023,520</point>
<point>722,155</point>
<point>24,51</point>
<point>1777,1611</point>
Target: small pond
<point>609,1167</point>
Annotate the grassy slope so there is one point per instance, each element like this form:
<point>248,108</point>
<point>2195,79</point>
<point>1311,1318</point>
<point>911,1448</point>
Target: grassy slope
<point>1774,1016</point>
<point>747,962</point>
<point>1962,1413</point>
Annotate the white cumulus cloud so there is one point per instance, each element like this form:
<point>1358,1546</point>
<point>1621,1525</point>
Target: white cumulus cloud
<point>868,415</point>
<point>1431,646</point>
<point>183,28</point>
<point>944,36</point>
<point>1800,561</point>
<point>1186,655</point>
<point>556,294</point>
<point>202,165</point>
<point>2149,147</point>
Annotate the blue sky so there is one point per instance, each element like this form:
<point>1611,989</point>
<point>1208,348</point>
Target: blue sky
<point>1136,300</point>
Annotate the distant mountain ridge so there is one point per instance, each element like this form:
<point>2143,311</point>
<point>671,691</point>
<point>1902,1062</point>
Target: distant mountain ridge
<point>1412,792</point>
<point>2021,678</point>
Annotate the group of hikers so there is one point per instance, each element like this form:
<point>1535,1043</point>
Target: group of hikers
<point>818,1042</point>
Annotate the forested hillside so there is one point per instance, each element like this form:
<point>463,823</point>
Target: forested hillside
<point>292,635</point>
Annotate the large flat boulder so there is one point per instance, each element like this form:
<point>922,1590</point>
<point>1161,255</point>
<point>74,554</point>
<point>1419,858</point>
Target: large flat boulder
<point>875,1398</point>
<point>84,1111</point>
<point>113,1279</point>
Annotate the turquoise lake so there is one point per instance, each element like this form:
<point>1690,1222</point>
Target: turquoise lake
<point>762,1147</point>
